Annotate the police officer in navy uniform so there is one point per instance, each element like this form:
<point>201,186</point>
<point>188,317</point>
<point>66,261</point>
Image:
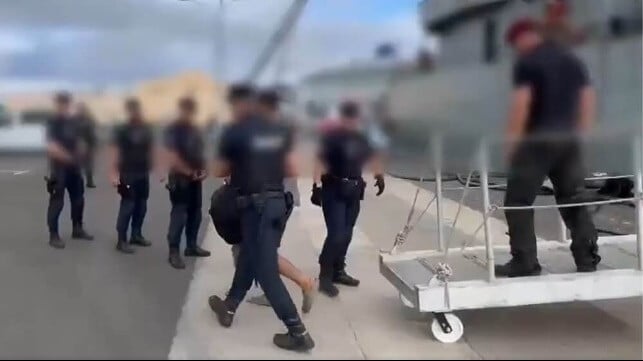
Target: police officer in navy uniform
<point>268,101</point>
<point>256,154</point>
<point>65,161</point>
<point>185,148</point>
<point>552,103</point>
<point>339,189</point>
<point>132,158</point>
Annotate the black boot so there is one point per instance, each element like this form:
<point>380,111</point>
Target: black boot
<point>518,268</point>
<point>343,278</point>
<point>175,259</point>
<point>56,242</point>
<point>225,314</point>
<point>326,285</point>
<point>123,247</point>
<point>587,259</point>
<point>297,339</point>
<point>80,233</point>
<point>196,252</point>
<point>91,184</point>
<point>140,241</point>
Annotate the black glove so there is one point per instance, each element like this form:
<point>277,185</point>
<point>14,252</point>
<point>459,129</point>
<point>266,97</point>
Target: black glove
<point>316,197</point>
<point>379,183</point>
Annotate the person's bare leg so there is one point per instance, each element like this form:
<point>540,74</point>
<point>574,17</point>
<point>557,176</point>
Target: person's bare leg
<point>291,272</point>
<point>305,282</point>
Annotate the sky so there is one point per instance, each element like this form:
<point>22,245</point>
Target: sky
<point>117,42</point>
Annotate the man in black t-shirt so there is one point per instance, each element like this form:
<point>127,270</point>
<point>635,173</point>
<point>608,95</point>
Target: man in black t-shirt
<point>64,155</point>
<point>553,103</point>
<point>132,152</point>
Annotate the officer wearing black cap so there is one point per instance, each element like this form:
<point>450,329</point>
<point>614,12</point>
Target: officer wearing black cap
<point>132,157</point>
<point>65,158</point>
<point>339,188</point>
<point>255,154</point>
<point>185,148</point>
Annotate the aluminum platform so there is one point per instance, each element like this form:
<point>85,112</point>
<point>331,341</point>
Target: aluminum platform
<point>413,276</point>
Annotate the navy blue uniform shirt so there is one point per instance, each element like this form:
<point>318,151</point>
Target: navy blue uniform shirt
<point>256,151</point>
<point>556,77</point>
<point>66,133</point>
<point>134,142</point>
<point>344,152</point>
<point>186,140</point>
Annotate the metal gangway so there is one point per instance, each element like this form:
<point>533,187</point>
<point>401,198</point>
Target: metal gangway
<point>452,278</point>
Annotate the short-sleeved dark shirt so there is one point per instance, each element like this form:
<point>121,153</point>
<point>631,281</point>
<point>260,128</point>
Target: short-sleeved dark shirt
<point>135,143</point>
<point>186,140</point>
<point>556,77</point>
<point>345,152</point>
<point>256,151</point>
<point>65,132</point>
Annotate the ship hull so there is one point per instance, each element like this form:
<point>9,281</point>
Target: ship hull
<point>468,104</point>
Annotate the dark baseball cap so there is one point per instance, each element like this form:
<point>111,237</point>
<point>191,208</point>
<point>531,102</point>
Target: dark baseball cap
<point>62,97</point>
<point>269,97</point>
<point>132,103</point>
<point>349,109</point>
<point>238,92</point>
<point>187,104</point>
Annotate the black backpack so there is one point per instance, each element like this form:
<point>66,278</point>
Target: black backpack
<point>225,214</point>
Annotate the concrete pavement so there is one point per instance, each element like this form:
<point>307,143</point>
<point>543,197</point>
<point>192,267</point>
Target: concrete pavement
<point>369,323</point>
<point>86,301</point>
<point>90,302</point>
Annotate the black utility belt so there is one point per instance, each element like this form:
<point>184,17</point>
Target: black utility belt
<point>244,201</point>
<point>333,179</point>
<point>348,188</point>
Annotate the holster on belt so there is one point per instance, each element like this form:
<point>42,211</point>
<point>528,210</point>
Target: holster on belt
<point>290,202</point>
<point>124,190</point>
<point>50,184</point>
<point>177,185</point>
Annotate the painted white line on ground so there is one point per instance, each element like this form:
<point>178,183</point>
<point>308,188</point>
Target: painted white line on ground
<point>14,172</point>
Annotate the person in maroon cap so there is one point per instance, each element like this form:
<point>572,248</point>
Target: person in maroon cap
<point>552,104</point>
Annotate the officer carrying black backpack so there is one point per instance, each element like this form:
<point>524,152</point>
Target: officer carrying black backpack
<point>225,214</point>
